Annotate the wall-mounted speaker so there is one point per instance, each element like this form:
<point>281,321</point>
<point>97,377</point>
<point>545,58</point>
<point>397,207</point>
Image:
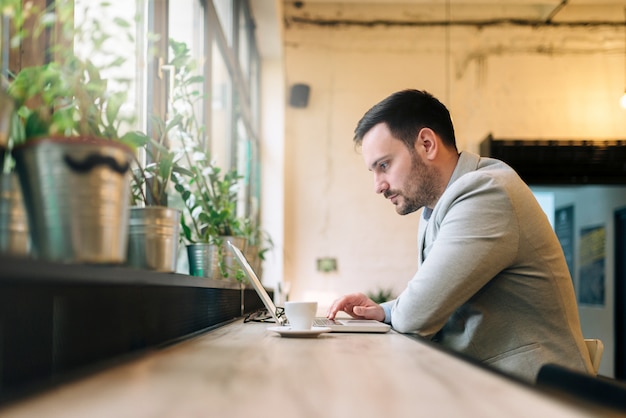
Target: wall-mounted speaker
<point>299,95</point>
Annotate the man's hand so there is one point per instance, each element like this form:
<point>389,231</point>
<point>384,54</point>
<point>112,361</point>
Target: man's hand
<point>357,305</point>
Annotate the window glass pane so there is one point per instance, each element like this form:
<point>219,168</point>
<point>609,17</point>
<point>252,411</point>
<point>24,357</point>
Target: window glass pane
<point>255,98</point>
<point>247,166</point>
<point>186,24</point>
<point>221,114</point>
<point>244,44</point>
<point>243,167</point>
<point>89,18</point>
<point>224,9</point>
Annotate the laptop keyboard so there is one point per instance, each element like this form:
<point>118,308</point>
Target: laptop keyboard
<point>323,322</point>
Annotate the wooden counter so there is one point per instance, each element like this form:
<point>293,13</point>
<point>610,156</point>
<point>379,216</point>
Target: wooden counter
<point>242,369</point>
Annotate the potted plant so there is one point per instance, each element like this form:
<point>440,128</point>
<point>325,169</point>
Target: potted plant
<point>7,107</point>
<point>207,195</point>
<point>154,226</point>
<point>380,295</point>
<point>14,236</point>
<point>210,202</point>
<point>73,163</point>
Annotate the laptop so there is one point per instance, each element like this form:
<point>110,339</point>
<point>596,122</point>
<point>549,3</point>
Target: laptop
<point>336,325</point>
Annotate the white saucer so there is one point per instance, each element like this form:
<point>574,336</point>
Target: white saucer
<point>293,333</point>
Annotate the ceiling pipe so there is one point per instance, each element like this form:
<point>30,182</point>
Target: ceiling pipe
<point>555,11</point>
<point>548,21</point>
<point>472,23</point>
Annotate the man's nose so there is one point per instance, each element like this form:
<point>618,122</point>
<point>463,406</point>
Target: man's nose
<point>380,185</point>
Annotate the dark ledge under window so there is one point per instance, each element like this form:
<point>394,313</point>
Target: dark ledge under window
<point>60,321</point>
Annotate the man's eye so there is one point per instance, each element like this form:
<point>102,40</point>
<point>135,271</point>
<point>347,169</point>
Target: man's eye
<point>383,166</point>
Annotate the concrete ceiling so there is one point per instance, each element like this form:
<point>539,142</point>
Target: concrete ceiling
<point>274,16</point>
<point>455,12</point>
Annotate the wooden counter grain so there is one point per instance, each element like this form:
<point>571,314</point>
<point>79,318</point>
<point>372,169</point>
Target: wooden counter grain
<point>244,370</point>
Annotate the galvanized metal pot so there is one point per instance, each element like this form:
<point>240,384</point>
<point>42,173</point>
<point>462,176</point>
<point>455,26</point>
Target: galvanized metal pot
<point>213,260</point>
<point>7,106</point>
<point>153,236</point>
<point>14,236</point>
<point>77,196</point>
<point>203,260</point>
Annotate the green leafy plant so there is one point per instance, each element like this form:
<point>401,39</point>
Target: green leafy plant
<point>151,182</point>
<point>210,206</point>
<point>381,295</point>
<point>210,199</point>
<point>208,194</point>
<point>70,96</point>
<point>257,238</point>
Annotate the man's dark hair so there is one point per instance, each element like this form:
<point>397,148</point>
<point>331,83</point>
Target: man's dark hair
<point>406,112</point>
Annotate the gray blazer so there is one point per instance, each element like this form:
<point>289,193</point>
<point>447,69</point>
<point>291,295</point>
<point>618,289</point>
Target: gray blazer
<point>492,281</point>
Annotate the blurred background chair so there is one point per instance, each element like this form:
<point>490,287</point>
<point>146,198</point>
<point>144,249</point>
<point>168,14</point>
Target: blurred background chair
<point>595,348</point>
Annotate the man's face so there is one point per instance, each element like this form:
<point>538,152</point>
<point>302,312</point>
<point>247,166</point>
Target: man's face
<point>399,174</point>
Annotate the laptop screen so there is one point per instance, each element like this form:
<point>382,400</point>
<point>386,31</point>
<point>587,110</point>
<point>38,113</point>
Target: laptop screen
<point>256,283</point>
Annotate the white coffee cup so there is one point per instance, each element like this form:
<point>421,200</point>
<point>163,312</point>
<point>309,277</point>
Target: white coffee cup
<point>300,314</point>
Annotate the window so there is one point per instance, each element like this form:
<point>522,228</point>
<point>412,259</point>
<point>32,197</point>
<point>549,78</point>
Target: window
<point>221,138</point>
<point>220,35</point>
<point>225,48</point>
<point>224,10</point>
<point>186,24</point>
<point>88,14</point>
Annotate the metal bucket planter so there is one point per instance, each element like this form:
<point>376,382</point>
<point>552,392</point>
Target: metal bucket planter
<point>7,105</point>
<point>153,235</point>
<point>14,236</point>
<point>76,192</point>
<point>203,260</point>
<point>212,260</point>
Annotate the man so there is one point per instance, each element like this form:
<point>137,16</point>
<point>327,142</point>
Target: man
<point>492,281</point>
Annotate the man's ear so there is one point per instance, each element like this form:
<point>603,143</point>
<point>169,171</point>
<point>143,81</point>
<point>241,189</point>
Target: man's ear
<point>428,141</point>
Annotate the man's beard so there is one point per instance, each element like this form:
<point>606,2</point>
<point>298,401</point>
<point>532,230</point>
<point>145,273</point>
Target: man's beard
<point>419,190</point>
